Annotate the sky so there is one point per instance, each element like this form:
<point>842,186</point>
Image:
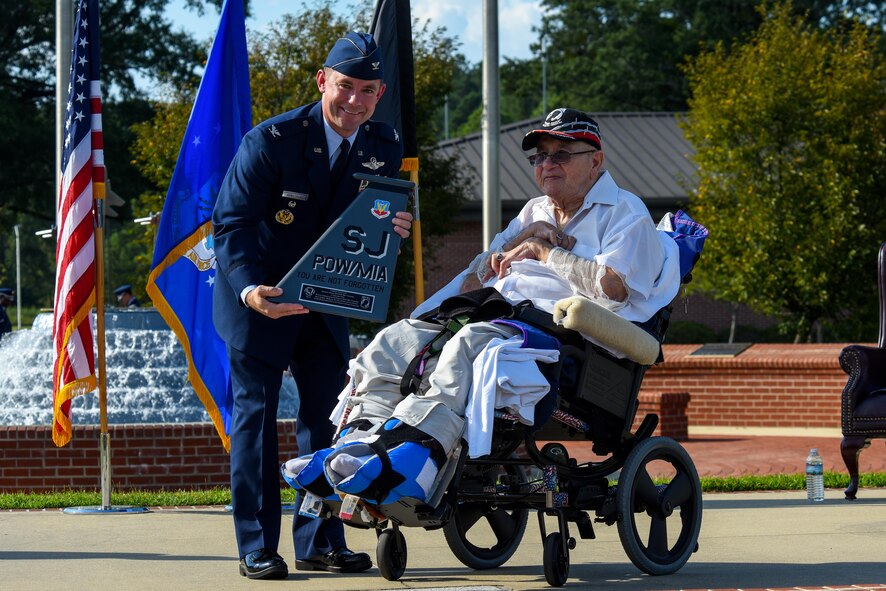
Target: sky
<point>463,20</point>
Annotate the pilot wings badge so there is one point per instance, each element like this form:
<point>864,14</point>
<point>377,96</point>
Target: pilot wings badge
<point>373,164</point>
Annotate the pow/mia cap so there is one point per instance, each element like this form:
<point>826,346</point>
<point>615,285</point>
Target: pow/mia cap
<point>356,55</point>
<point>570,125</point>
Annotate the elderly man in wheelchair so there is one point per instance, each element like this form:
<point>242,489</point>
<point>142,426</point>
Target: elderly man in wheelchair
<point>585,255</point>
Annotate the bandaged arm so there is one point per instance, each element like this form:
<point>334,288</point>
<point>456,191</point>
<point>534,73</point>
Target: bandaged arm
<point>480,266</point>
<point>597,282</point>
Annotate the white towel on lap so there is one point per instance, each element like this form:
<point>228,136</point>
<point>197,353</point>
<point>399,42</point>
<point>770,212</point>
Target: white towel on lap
<point>505,376</point>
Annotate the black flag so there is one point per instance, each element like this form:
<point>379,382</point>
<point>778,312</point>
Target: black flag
<point>392,29</point>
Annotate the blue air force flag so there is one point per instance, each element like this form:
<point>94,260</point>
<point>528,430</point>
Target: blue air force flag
<point>183,270</point>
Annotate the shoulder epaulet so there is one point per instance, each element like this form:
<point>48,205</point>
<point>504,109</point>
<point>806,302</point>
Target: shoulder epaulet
<point>276,129</point>
<point>382,130</point>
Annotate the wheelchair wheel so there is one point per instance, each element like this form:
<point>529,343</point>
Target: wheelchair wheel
<point>659,525</point>
<point>390,553</point>
<point>482,534</point>
<point>556,560</point>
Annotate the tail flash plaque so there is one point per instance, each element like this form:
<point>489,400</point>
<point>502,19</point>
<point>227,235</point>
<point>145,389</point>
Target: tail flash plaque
<point>350,269</point>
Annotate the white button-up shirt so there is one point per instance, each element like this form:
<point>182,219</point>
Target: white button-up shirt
<point>613,228</point>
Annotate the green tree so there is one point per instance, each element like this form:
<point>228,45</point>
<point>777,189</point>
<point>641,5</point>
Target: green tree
<point>625,55</point>
<point>520,93</point>
<point>464,100</point>
<point>138,42</point>
<point>283,66</point>
<point>790,133</point>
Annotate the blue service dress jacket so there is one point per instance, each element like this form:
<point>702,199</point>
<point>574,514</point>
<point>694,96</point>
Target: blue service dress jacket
<point>273,205</point>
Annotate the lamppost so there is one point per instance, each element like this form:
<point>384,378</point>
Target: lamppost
<point>491,124</point>
<point>47,234</point>
<point>18,279</point>
<point>544,75</point>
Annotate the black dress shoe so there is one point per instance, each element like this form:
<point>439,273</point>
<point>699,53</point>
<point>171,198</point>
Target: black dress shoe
<point>263,564</point>
<point>337,561</point>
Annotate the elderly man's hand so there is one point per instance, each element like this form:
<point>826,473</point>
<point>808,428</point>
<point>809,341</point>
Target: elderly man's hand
<point>531,248</point>
<point>544,231</point>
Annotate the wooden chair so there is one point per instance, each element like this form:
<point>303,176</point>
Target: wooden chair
<point>864,397</point>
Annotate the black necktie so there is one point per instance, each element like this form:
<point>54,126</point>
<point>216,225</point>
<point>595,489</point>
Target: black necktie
<point>338,167</point>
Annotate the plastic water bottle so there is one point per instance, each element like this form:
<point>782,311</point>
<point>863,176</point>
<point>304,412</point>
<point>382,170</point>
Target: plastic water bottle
<point>814,476</point>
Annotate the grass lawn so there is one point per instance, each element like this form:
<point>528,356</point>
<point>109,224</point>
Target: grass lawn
<point>222,496</point>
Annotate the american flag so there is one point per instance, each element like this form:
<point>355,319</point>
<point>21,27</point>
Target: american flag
<point>82,181</point>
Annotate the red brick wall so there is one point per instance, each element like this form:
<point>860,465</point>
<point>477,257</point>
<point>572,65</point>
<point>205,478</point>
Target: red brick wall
<point>162,456</point>
<point>767,386</point>
<point>670,407</point>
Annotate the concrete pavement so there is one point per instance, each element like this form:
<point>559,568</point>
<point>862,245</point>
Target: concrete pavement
<point>748,541</point>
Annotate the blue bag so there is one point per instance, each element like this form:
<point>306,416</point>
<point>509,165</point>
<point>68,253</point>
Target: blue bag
<point>689,236</point>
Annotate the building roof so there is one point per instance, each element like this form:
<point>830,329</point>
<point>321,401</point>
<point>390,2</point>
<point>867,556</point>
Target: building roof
<point>646,153</point>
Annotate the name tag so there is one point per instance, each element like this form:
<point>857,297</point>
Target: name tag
<point>294,195</point>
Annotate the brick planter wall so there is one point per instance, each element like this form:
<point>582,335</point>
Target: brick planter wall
<point>670,407</point>
<point>161,456</point>
<point>768,386</point>
<point>777,387</point>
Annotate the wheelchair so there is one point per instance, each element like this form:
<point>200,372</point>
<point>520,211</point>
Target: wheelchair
<point>593,398</point>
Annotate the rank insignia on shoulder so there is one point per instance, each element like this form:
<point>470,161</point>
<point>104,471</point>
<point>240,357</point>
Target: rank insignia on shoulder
<point>274,131</point>
<point>396,135</point>
<point>381,209</point>
<point>284,216</point>
<point>373,164</point>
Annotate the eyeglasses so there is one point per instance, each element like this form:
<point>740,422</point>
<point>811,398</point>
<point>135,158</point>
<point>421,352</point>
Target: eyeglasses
<point>561,157</point>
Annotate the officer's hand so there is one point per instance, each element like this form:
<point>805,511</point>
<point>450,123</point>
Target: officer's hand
<point>402,223</point>
<point>257,299</point>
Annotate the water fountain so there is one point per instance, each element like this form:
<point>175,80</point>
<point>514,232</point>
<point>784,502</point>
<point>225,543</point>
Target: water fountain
<point>146,367</point>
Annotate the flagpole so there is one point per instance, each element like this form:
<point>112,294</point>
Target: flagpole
<point>104,436</point>
<point>491,123</point>
<point>411,165</point>
<point>104,441</point>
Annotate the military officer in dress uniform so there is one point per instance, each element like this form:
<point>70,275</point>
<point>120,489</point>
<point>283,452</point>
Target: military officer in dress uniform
<point>290,180</point>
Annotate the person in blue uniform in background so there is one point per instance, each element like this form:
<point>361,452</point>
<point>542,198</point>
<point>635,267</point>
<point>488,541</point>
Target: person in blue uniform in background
<point>125,299</point>
<point>289,181</point>
<point>7,298</point>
